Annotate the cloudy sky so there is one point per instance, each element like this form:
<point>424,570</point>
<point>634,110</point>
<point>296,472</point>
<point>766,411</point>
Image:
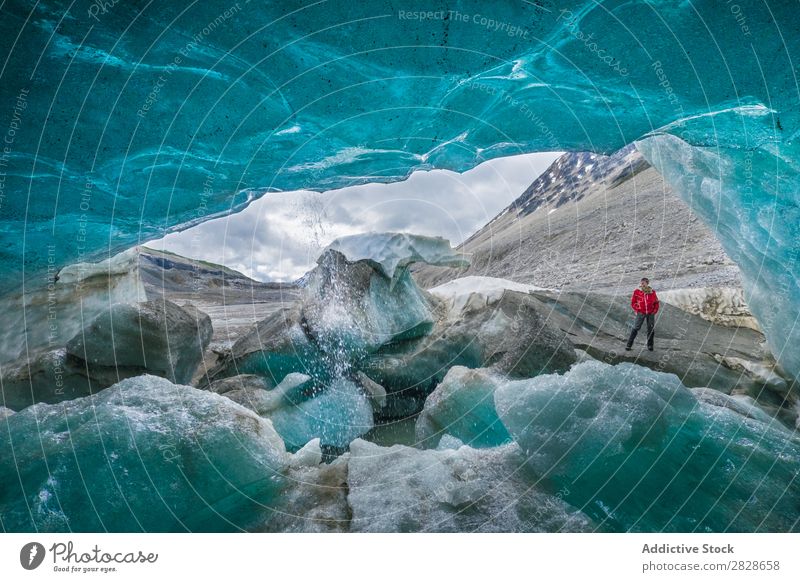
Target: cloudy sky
<point>279,236</point>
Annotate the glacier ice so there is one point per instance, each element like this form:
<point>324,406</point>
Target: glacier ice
<point>403,489</point>
<point>356,321</point>
<point>116,342</point>
<point>315,501</point>
<point>252,392</point>
<point>302,410</point>
<point>341,413</point>
<point>53,376</point>
<point>143,455</point>
<point>462,406</point>
<point>135,140</point>
<point>240,383</point>
<point>159,337</point>
<point>390,252</point>
<point>739,403</point>
<point>744,185</point>
<point>322,95</point>
<point>353,304</point>
<point>480,326</point>
<point>361,295</point>
<point>719,305</point>
<point>56,311</point>
<point>275,347</point>
<point>637,451</point>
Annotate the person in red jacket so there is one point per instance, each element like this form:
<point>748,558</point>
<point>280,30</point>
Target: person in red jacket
<point>645,303</point>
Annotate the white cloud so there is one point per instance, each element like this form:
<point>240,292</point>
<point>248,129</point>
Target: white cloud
<point>279,236</point>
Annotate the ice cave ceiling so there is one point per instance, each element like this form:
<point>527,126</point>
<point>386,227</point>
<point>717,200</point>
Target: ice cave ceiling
<point>123,119</point>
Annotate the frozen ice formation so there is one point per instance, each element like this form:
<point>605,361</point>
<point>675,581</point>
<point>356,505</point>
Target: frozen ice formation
<point>639,452</point>
<point>122,341</point>
<point>353,305</point>
<point>468,290</point>
<point>462,406</point>
<point>158,337</point>
<point>54,313</point>
<point>114,141</point>
<point>361,295</point>
<point>302,410</point>
<point>341,413</point>
<point>387,252</point>
<point>315,500</point>
<point>505,330</point>
<point>739,403</point>
<point>123,154</point>
<point>252,392</point>
<point>276,346</point>
<point>746,189</point>
<point>375,344</point>
<point>143,455</point>
<point>353,321</point>
<point>403,489</point>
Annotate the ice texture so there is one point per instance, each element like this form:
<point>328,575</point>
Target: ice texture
<point>341,413</point>
<point>359,298</point>
<point>53,313</point>
<point>159,337</point>
<point>493,327</point>
<point>251,391</point>
<point>357,302</point>
<point>745,187</point>
<point>465,290</point>
<point>639,452</point>
<point>120,341</point>
<point>719,305</point>
<point>275,347</point>
<point>403,489</point>
<point>462,406</point>
<point>143,455</point>
<point>114,142</point>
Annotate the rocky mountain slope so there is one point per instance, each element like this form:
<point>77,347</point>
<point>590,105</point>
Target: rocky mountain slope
<point>599,223</point>
<point>234,301</point>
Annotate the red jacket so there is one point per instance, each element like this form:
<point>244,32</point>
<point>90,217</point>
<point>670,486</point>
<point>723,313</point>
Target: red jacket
<point>646,303</point>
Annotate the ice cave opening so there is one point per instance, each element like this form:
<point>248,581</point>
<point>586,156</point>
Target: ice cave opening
<point>400,383</point>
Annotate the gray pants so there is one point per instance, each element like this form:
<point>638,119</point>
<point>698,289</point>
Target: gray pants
<point>637,325</point>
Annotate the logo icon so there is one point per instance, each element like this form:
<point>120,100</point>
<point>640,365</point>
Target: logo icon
<point>31,555</point>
